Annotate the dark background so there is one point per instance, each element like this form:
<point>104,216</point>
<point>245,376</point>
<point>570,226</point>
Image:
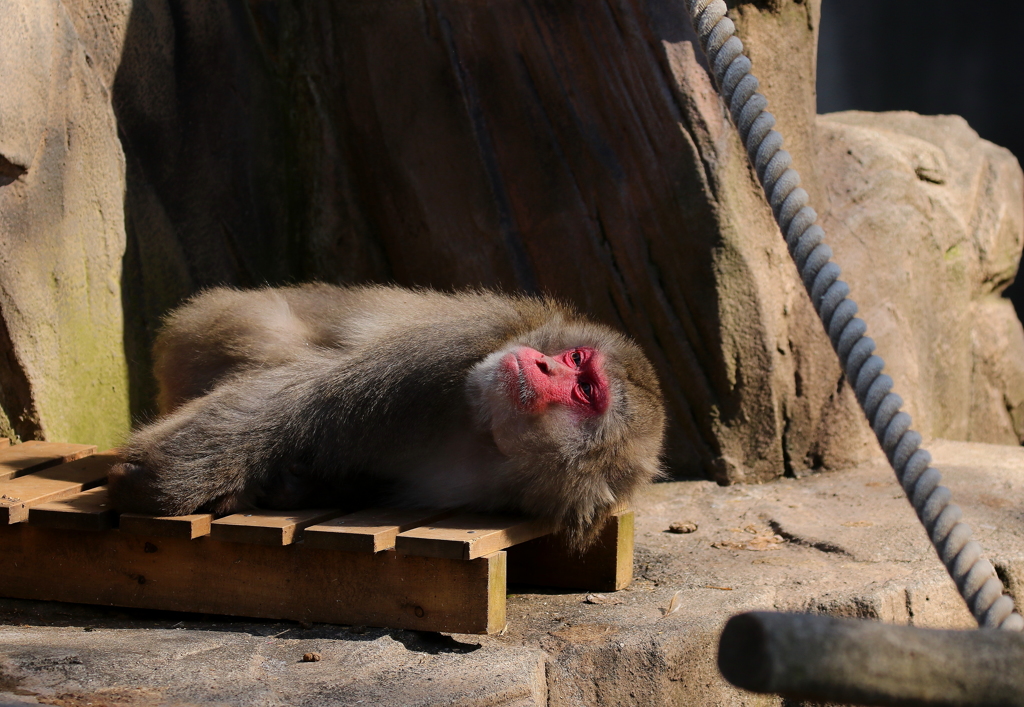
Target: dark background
<point>932,57</point>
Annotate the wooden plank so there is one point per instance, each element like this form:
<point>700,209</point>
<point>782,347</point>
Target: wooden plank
<point>606,566</point>
<point>184,527</point>
<point>52,484</point>
<point>5,442</point>
<point>467,536</point>
<point>293,582</point>
<point>268,527</point>
<point>370,530</point>
<point>20,459</point>
<point>89,510</point>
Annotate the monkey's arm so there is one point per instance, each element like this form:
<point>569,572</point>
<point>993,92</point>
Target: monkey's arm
<point>223,451</point>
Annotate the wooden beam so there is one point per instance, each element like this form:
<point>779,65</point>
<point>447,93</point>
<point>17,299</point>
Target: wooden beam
<point>267,527</point>
<point>294,582</point>
<point>370,530</point>
<point>467,536</point>
<point>183,527</point>
<point>606,566</point>
<point>89,510</point>
<point>52,484</point>
<point>29,456</point>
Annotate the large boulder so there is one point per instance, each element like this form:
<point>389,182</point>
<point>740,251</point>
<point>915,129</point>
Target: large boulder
<point>63,373</point>
<point>927,219</point>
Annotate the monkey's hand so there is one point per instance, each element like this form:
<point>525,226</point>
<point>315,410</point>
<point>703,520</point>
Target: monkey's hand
<point>218,453</point>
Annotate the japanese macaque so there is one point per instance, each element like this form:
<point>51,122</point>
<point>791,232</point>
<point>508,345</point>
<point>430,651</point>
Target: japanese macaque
<point>324,396</point>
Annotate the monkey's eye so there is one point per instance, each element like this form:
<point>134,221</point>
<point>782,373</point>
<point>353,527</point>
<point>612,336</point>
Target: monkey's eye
<point>586,388</point>
<point>577,359</point>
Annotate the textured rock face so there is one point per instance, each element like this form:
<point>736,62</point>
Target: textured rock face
<point>575,150</point>
<point>63,372</point>
<point>927,220</point>
<point>571,150</point>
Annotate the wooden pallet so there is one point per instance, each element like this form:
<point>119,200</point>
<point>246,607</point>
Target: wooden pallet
<point>61,540</point>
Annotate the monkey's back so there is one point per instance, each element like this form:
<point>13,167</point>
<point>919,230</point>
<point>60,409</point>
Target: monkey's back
<point>223,331</point>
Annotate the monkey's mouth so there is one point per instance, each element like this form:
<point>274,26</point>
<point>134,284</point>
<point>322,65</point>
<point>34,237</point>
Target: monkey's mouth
<point>514,379</point>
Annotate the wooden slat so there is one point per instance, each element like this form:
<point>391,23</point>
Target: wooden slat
<point>29,456</point>
<point>467,536</point>
<point>20,494</point>
<point>267,527</point>
<point>605,567</point>
<point>371,530</point>
<point>294,582</point>
<point>183,527</point>
<point>5,442</point>
<point>89,510</point>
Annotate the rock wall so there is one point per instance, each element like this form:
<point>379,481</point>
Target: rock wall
<point>574,149</point>
<point>63,373</point>
<point>570,149</point>
<point>928,221</point>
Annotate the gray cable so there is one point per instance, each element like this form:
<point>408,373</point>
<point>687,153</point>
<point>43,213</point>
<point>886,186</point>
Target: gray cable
<point>974,576</point>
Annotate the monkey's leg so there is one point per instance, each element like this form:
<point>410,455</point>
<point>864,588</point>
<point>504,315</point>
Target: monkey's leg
<point>219,333</point>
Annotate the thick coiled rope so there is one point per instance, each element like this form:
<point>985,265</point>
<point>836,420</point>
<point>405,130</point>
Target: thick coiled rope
<point>974,576</point>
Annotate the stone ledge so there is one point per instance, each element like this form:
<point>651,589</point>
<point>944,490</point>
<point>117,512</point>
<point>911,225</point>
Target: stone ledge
<point>844,543</point>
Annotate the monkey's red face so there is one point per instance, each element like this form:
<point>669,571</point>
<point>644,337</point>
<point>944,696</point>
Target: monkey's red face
<point>534,403</point>
<point>573,379</point>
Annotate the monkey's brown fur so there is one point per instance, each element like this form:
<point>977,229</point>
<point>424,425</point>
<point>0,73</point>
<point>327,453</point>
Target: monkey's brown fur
<point>327,396</point>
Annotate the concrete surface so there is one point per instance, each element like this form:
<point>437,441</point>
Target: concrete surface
<point>845,543</point>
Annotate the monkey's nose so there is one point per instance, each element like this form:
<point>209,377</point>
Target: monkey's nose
<point>553,368</point>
